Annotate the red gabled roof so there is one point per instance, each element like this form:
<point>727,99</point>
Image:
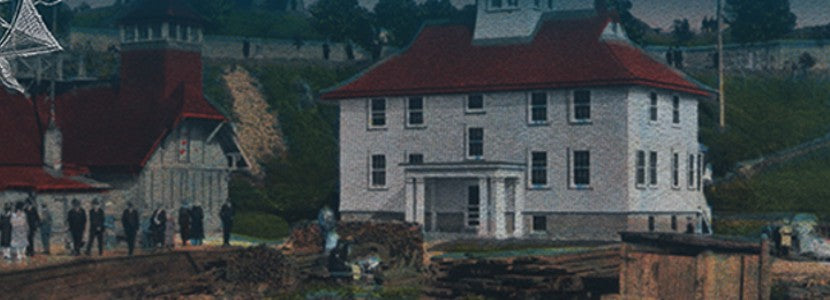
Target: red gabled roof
<point>564,53</point>
<point>35,178</point>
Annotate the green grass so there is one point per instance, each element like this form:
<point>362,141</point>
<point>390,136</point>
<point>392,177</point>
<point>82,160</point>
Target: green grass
<point>764,114</point>
<point>260,225</point>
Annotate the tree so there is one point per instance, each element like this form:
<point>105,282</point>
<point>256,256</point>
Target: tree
<point>400,17</point>
<point>342,20</point>
<point>759,20</point>
<point>682,32</point>
<point>437,9</point>
<point>215,12</point>
<point>634,28</point>
<point>709,25</point>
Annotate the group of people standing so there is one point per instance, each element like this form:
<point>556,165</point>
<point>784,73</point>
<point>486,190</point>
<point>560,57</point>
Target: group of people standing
<point>18,225</point>
<point>20,222</point>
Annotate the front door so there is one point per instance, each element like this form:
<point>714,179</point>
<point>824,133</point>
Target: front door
<point>473,209</point>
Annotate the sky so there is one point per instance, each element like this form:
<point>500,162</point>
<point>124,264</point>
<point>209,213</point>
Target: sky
<point>657,13</point>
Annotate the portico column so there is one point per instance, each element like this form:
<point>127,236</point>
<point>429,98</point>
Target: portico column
<point>518,208</point>
<point>500,205</point>
<point>420,201</point>
<point>483,208</point>
<point>409,202</point>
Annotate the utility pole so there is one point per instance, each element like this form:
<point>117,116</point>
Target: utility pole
<point>721,96</point>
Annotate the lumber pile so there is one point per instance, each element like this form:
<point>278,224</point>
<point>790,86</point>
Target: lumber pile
<point>398,244</point>
<point>261,265</point>
<point>567,275</point>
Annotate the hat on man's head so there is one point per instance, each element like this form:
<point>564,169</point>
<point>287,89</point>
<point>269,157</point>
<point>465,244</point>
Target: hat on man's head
<point>76,203</point>
<point>95,201</point>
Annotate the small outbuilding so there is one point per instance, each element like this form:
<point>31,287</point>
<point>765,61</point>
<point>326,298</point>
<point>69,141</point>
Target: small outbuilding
<point>687,266</point>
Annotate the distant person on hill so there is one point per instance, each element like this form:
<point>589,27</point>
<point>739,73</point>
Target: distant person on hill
<point>96,227</point>
<point>20,231</point>
<point>197,225</point>
<point>226,215</point>
<point>45,227</point>
<point>184,223</point>
<point>6,230</point>
<point>77,223</point>
<point>129,218</point>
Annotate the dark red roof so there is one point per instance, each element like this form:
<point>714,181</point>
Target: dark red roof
<point>151,10</point>
<point>565,53</point>
<point>35,178</point>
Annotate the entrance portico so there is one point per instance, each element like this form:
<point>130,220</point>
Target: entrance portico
<point>476,197</point>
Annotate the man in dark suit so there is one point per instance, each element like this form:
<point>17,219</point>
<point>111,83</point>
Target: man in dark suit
<point>77,223</point>
<point>33,221</point>
<point>96,227</point>
<point>130,221</point>
<point>226,215</point>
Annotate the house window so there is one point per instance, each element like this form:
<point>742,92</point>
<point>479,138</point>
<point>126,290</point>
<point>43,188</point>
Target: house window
<point>496,3</point>
<point>378,170</point>
<point>582,106</point>
<point>550,4</point>
<point>473,205</point>
<point>537,3</point>
<point>143,32</point>
<point>653,107</point>
<point>691,171</point>
<point>700,167</point>
<point>129,33</point>
<point>378,114</point>
<point>416,158</point>
<point>415,111</point>
<point>652,168</point>
<point>675,172</point>
<point>156,31</point>
<point>475,143</point>
<point>475,103</point>
<point>641,168</point>
<point>650,223</point>
<point>538,108</point>
<point>503,3</point>
<point>675,102</point>
<point>172,31</point>
<point>582,169</point>
<point>539,168</point>
<point>185,32</point>
<point>540,224</point>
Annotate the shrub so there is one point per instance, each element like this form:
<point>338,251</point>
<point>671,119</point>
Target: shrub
<point>260,225</point>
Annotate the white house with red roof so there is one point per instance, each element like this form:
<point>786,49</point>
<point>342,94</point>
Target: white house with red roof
<point>535,121</point>
<point>150,138</point>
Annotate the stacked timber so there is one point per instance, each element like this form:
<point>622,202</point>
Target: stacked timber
<point>398,244</point>
<point>542,277</point>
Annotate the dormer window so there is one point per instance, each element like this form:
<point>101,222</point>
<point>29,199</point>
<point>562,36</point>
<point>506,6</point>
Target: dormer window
<point>156,31</point>
<point>129,33</point>
<point>185,31</point>
<point>503,4</point>
<point>172,31</point>
<point>143,33</point>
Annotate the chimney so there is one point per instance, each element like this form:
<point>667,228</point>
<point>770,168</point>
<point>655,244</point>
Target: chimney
<point>53,143</point>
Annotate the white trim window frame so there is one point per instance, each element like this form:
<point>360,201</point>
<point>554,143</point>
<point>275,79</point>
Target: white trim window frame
<point>652,169</point>
<point>640,169</point>
<point>474,143</point>
<point>377,113</point>
<point>675,170</point>
<point>415,117</point>
<point>580,169</point>
<point>537,108</point>
<point>691,172</point>
<point>538,170</point>
<point>675,100</point>
<point>653,108</point>
<point>377,171</point>
<point>580,107</point>
<point>474,104</point>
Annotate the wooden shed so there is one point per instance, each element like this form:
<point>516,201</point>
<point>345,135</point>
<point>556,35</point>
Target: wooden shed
<point>688,266</point>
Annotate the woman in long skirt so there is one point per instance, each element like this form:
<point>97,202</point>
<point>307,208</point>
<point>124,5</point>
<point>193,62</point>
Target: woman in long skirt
<point>20,231</point>
<point>170,230</point>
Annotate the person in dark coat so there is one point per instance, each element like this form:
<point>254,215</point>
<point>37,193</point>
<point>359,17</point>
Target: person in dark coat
<point>184,223</point>
<point>33,221</point>
<point>226,215</point>
<point>45,227</point>
<point>77,223</point>
<point>96,227</point>
<point>197,227</point>
<point>158,224</point>
<point>6,231</point>
<point>130,221</point>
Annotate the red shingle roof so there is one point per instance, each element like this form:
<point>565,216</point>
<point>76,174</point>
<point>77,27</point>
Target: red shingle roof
<point>565,53</point>
<point>35,178</point>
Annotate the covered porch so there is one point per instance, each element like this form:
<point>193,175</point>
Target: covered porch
<point>472,198</point>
